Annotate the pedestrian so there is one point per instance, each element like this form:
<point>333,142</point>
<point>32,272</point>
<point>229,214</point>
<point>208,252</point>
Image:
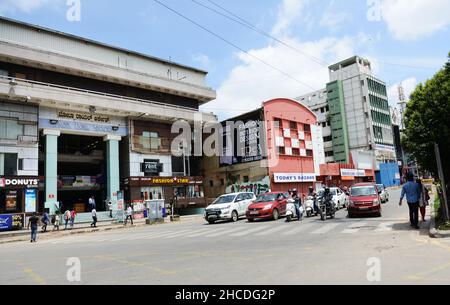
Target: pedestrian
<point>57,222</point>
<point>33,223</point>
<point>413,192</point>
<point>73,214</point>
<point>92,203</point>
<point>110,208</point>
<point>67,216</point>
<point>94,218</point>
<point>129,215</point>
<point>424,200</point>
<point>45,220</point>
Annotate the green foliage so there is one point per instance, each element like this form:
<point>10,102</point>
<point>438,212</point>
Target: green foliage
<point>427,121</point>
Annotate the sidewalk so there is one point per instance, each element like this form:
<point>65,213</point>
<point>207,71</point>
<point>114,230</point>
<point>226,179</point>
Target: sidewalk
<point>434,232</point>
<point>84,228</point>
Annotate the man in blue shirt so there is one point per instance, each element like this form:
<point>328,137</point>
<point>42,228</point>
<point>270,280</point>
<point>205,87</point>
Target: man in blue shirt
<point>413,192</point>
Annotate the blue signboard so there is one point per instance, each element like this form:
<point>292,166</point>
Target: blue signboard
<point>30,201</point>
<point>5,222</point>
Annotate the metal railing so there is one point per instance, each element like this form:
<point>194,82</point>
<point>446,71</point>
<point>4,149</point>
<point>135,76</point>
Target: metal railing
<point>16,81</point>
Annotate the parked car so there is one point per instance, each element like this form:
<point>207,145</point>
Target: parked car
<point>268,206</point>
<point>384,193</point>
<point>340,199</point>
<point>229,207</point>
<point>364,199</point>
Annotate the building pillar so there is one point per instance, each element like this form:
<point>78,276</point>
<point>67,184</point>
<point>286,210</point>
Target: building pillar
<point>51,169</point>
<point>112,168</point>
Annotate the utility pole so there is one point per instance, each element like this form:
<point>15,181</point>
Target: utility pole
<point>442,180</point>
<point>402,104</point>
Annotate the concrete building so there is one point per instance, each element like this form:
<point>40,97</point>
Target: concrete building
<point>86,117</point>
<point>353,109</point>
<point>283,150</point>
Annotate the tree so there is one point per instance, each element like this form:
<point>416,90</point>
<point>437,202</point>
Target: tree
<point>427,121</point>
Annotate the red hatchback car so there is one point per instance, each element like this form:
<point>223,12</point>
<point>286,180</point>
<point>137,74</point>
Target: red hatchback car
<point>364,199</point>
<point>267,206</point>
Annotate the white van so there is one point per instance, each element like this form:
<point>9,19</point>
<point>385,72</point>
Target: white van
<point>229,207</point>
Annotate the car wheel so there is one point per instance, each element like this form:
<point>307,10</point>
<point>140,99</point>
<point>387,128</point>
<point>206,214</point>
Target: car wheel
<point>275,214</point>
<point>211,222</point>
<point>234,216</point>
<point>250,219</point>
<point>289,218</point>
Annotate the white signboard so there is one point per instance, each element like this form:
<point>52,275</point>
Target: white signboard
<point>353,172</point>
<point>294,177</point>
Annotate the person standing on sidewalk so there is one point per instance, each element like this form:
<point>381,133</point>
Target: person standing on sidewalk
<point>33,223</point>
<point>67,217</point>
<point>413,192</point>
<point>94,218</point>
<point>45,221</point>
<point>73,214</point>
<point>129,215</point>
<point>57,222</point>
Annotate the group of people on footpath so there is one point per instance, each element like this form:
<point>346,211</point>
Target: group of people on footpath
<point>417,197</point>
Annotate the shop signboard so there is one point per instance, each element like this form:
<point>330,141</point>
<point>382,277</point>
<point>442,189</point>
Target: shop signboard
<point>11,200</point>
<point>152,167</point>
<point>30,201</point>
<point>294,177</point>
<point>19,182</point>
<point>353,172</point>
<point>11,222</point>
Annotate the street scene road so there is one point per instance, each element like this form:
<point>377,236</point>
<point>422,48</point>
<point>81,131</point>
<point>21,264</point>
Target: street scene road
<point>337,251</point>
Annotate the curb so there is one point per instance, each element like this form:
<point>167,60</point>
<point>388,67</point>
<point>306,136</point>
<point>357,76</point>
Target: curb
<point>435,233</point>
<point>25,235</point>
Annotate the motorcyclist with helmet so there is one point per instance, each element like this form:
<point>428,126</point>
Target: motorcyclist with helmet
<point>328,197</point>
<point>297,203</point>
<point>313,194</point>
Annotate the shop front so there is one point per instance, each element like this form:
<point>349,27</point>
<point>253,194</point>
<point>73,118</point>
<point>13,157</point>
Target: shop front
<point>344,175</point>
<point>18,198</point>
<point>184,194</point>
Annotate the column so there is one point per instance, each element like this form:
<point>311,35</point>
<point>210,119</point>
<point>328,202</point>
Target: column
<point>112,167</point>
<point>51,169</point>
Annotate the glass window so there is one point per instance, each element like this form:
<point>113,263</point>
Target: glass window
<point>151,140</point>
<point>10,129</point>
<point>8,164</point>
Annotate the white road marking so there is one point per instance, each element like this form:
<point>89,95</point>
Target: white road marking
<point>271,231</point>
<point>223,232</point>
<point>249,231</point>
<point>300,228</point>
<point>189,233</point>
<point>326,228</point>
<point>385,227</point>
<point>354,228</point>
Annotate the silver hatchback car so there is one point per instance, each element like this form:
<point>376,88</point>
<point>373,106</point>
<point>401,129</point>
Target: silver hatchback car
<point>384,195</point>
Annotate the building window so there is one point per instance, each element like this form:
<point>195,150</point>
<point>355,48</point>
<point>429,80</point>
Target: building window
<point>281,151</point>
<point>307,128</point>
<point>293,125</point>
<point>246,179</point>
<point>328,139</point>
<point>10,129</point>
<point>8,164</point>
<point>222,182</point>
<point>329,154</point>
<point>327,109</point>
<point>151,140</point>
<point>278,123</point>
<point>211,183</point>
<point>296,151</point>
<point>309,153</point>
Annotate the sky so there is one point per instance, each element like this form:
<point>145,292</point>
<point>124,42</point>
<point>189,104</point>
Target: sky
<point>279,48</point>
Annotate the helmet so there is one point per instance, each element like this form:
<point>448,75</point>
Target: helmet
<point>311,189</point>
<point>327,189</point>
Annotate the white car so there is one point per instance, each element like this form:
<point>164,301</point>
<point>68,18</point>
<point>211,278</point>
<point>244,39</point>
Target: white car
<point>229,207</point>
<point>339,197</point>
<point>384,195</point>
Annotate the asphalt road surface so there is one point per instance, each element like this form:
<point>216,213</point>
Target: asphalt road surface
<point>340,251</point>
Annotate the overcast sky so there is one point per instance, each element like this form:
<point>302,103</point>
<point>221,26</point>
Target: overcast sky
<point>406,40</point>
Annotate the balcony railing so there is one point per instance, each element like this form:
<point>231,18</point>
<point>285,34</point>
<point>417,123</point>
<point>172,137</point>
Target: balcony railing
<point>16,81</point>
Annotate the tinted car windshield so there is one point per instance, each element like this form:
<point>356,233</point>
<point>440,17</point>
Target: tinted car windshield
<point>363,191</point>
<point>267,198</point>
<point>224,199</point>
<point>380,187</point>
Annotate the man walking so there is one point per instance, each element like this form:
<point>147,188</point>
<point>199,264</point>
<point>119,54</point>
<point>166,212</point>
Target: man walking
<point>73,214</point>
<point>413,192</point>
<point>67,216</point>
<point>33,223</point>
<point>92,203</point>
<point>129,215</point>
<point>45,221</point>
<point>94,218</point>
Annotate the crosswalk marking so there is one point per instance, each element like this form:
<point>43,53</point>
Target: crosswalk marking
<point>354,228</point>
<point>271,231</point>
<point>385,227</point>
<point>326,228</point>
<point>246,232</point>
<point>221,233</point>
<point>189,233</point>
<point>300,228</point>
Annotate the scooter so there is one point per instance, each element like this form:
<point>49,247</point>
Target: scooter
<point>291,211</point>
<point>309,204</point>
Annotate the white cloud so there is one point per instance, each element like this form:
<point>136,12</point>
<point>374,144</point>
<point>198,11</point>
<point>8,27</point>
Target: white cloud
<point>26,6</point>
<point>202,59</point>
<point>251,82</point>
<point>333,19</point>
<point>409,85</point>
<point>288,13</point>
<point>414,19</point>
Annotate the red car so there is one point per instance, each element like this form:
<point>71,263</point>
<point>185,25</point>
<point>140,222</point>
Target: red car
<point>267,206</point>
<point>364,199</point>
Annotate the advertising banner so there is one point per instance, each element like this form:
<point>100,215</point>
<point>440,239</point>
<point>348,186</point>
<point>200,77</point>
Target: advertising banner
<point>30,201</point>
<point>294,177</point>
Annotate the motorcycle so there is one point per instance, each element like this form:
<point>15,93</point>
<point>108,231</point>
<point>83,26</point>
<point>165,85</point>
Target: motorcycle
<point>309,207</point>
<point>326,208</point>
<point>291,211</point>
